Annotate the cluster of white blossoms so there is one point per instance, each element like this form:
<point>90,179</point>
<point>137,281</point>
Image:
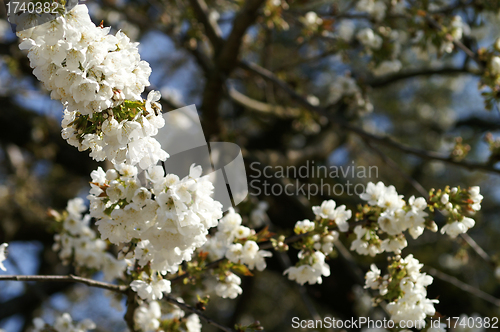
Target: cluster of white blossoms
<point>77,242</point>
<point>457,28</point>
<point>369,39</point>
<point>329,211</point>
<point>387,67</point>
<point>248,254</point>
<point>84,66</point>
<point>229,286</point>
<point>236,242</point>
<point>149,316</point>
<point>325,243</point>
<point>345,30</point>
<point>321,242</point>
<point>228,230</point>
<point>375,8</point>
<point>304,226</point>
<point>168,217</point>
<point>495,60</point>
<point>99,78</point>
<point>491,80</point>
<point>404,287</point>
<point>318,242</point>
<point>3,255</point>
<point>123,134</point>
<point>390,64</point>
<point>63,323</point>
<point>495,65</point>
<point>453,204</point>
<point>343,86</point>
<point>151,287</point>
<point>311,20</point>
<point>311,268</point>
<point>395,216</point>
<point>373,39</point>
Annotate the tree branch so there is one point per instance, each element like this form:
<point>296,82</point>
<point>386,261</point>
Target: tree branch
<point>383,140</point>
<point>319,147</point>
<point>131,306</point>
<point>306,60</point>
<point>389,79</point>
<point>451,8</point>
<point>424,154</point>
<point>211,28</point>
<point>260,107</point>
<point>225,60</point>
<point>267,74</point>
<point>68,278</point>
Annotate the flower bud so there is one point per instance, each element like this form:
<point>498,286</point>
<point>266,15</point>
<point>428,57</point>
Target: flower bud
<point>431,225</point>
<point>445,198</point>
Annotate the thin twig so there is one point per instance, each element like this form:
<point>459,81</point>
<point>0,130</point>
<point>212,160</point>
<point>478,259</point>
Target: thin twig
<point>391,163</point>
<point>306,300</point>
<point>356,270</point>
<point>480,251</point>
<point>209,266</point>
<point>463,286</point>
<point>200,314</point>
<point>68,278</point>
<point>456,42</point>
